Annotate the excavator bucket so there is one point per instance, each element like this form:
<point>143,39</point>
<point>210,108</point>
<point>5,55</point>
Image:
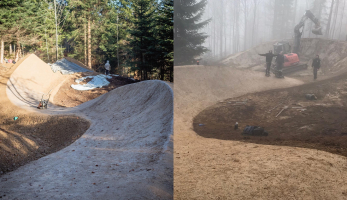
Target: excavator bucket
<point>317,31</point>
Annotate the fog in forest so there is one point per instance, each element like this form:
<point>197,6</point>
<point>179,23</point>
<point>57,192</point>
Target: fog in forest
<point>238,25</point>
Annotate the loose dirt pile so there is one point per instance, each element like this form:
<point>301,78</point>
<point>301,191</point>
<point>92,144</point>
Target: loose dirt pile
<point>69,97</point>
<point>318,124</point>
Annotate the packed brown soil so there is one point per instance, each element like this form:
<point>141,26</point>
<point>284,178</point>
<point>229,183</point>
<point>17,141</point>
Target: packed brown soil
<point>318,124</point>
<point>31,136</point>
<point>69,97</point>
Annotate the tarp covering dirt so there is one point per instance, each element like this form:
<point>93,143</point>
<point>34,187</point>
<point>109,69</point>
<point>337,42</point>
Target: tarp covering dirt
<point>97,81</point>
<point>66,67</point>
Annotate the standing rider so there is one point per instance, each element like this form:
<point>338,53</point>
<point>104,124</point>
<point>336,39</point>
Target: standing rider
<point>269,57</point>
<point>107,67</point>
<point>316,66</point>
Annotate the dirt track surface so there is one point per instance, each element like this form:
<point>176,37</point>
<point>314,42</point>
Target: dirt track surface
<point>124,154</point>
<point>210,168</point>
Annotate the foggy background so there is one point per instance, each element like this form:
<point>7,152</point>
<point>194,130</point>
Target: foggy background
<point>237,25</point>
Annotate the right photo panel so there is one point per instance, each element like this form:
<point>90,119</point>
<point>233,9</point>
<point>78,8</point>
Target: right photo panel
<point>260,92</point>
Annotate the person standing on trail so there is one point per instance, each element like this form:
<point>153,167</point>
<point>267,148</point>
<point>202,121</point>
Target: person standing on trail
<point>279,62</point>
<point>269,57</point>
<point>316,66</point>
<point>107,67</point>
<point>197,62</point>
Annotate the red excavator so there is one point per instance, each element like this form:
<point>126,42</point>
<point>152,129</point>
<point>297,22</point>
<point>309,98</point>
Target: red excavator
<point>291,59</point>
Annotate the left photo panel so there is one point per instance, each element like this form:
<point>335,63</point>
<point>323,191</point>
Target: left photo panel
<point>86,99</point>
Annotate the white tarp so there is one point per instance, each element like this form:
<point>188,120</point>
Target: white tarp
<point>97,81</point>
<point>67,67</point>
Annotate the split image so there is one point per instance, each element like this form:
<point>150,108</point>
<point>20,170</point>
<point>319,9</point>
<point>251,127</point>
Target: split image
<point>173,99</point>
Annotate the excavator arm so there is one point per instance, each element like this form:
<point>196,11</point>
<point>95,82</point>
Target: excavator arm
<point>297,34</point>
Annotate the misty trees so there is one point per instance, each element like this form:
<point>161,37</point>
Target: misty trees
<point>241,24</point>
<point>283,19</point>
<point>332,15</point>
<point>187,38</point>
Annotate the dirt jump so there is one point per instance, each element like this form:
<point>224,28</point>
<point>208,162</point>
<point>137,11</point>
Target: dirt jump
<point>304,155</point>
<point>117,145</point>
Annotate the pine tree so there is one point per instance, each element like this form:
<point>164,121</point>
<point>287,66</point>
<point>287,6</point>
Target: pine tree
<point>188,41</point>
<point>21,21</point>
<point>142,36</point>
<point>164,40</point>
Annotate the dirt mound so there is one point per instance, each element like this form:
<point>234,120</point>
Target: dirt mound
<point>34,78</point>
<point>210,168</point>
<point>333,54</point>
<point>31,79</point>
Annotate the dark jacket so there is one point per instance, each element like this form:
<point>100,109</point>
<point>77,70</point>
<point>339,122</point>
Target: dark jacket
<point>280,59</point>
<point>316,63</point>
<point>269,56</point>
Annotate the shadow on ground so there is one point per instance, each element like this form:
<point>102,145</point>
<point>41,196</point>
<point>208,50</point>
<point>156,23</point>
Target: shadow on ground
<point>317,124</point>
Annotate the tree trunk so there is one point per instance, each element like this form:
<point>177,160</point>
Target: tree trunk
<point>329,20</point>
<point>56,29</point>
<point>255,14</point>
<point>221,31</point>
<point>214,34</point>
<point>231,31</point>
<point>2,51</point>
<point>10,49</point>
<point>17,51</point>
<point>245,35</point>
<point>343,9</point>
<point>335,18</point>
<point>85,44</point>
<point>89,45</point>
<point>237,25</point>
<point>295,6</point>
<point>234,33</point>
